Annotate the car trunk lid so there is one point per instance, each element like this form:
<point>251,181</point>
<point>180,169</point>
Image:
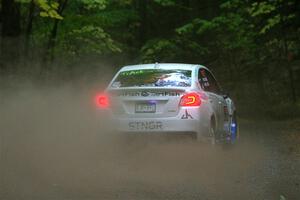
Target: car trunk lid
<point>145,103</point>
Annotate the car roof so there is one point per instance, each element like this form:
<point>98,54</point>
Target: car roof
<point>161,65</point>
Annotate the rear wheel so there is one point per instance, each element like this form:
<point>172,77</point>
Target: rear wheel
<point>212,131</point>
<point>207,135</point>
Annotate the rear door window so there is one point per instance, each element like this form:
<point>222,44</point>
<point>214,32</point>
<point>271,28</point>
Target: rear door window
<point>153,78</point>
<point>207,81</point>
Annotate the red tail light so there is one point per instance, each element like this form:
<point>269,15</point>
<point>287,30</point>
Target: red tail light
<point>102,101</point>
<point>190,99</point>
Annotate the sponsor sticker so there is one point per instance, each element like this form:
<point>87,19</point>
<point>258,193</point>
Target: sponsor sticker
<point>152,94</point>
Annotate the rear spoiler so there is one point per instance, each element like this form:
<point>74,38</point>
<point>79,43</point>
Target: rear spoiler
<point>181,89</point>
<point>149,91</point>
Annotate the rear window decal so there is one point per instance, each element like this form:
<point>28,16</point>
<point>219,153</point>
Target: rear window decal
<point>143,93</point>
<point>153,78</point>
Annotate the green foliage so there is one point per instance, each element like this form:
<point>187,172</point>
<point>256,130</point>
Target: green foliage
<point>94,4</point>
<point>90,39</point>
<point>47,8</point>
<point>228,35</point>
<point>271,13</point>
<point>231,4</point>
<point>261,8</point>
<point>23,1</point>
<point>236,38</point>
<point>159,50</point>
<point>271,22</point>
<point>166,2</point>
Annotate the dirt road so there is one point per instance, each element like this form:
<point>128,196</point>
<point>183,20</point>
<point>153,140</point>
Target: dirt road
<point>53,146</point>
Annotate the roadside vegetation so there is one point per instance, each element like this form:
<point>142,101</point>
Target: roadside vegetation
<point>252,46</point>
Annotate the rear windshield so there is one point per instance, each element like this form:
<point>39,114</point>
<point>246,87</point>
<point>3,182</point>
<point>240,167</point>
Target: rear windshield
<point>153,78</point>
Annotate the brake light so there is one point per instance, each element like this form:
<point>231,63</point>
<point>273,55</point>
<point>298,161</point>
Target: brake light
<point>102,101</point>
<point>190,99</point>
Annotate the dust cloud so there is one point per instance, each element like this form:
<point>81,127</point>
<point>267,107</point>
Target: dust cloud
<point>54,144</point>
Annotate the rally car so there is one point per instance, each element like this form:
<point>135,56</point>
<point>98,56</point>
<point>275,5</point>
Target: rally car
<point>170,98</point>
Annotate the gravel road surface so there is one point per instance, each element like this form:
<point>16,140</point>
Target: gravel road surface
<point>53,146</point>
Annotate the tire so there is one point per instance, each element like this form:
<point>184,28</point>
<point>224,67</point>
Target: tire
<point>209,134</point>
<point>212,132</point>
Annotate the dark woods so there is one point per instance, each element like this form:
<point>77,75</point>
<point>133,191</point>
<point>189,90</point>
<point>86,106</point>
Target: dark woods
<point>252,46</point>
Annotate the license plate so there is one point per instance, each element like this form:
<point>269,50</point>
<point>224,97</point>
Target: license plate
<point>145,108</point>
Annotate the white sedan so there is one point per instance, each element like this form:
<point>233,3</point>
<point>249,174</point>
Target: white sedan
<point>170,98</point>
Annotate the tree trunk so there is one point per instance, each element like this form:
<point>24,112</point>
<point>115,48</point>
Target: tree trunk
<point>10,34</point>
<point>185,14</point>
<point>10,19</point>
<point>52,38</point>
<point>286,52</point>
<point>143,31</point>
<point>29,27</point>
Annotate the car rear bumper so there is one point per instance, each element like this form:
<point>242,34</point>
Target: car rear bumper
<point>170,125</point>
<point>193,120</point>
<point>186,121</point>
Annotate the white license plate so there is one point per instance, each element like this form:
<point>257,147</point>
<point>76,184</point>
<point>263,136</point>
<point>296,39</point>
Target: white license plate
<point>145,108</point>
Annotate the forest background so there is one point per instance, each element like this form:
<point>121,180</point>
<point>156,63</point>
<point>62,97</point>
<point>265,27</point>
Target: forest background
<point>251,46</point>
